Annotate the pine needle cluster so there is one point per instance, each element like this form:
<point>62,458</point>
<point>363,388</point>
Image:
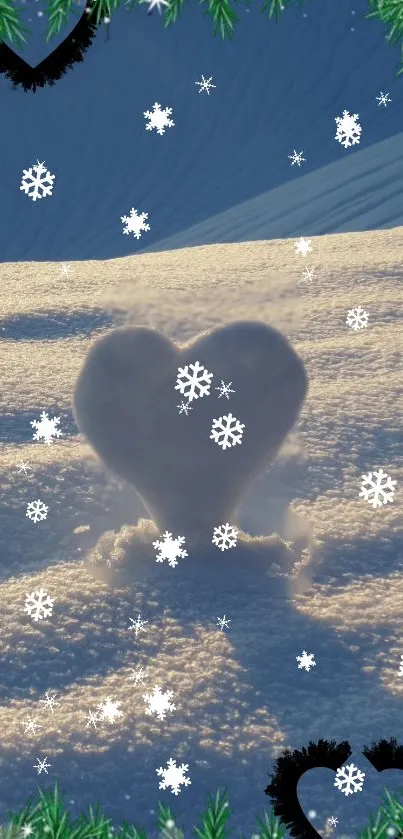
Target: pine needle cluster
<point>221,12</point>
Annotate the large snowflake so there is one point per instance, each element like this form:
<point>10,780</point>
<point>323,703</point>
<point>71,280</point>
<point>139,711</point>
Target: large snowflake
<point>37,510</point>
<point>46,428</point>
<point>227,431</point>
<point>173,776</point>
<point>135,223</point>
<point>170,549</point>
<point>38,604</point>
<point>159,703</point>
<point>349,779</point>
<point>193,381</point>
<point>225,536</point>
<point>377,490</point>
<point>357,318</point>
<point>37,182</point>
<point>348,129</point>
<point>109,710</point>
<point>306,661</point>
<point>159,119</point>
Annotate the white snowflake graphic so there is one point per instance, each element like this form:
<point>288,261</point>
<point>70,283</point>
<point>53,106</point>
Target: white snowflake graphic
<point>303,246</point>
<point>109,710</point>
<point>66,268</point>
<point>193,381</point>
<point>205,85</point>
<point>400,671</point>
<point>159,703</point>
<point>135,223</point>
<point>348,129</point>
<point>227,431</point>
<point>377,488</point>
<point>24,466</point>
<point>154,3</point>
<point>38,604</point>
<point>27,830</point>
<point>221,622</point>
<point>357,318</point>
<point>92,719</point>
<point>170,549</point>
<point>225,536</point>
<point>332,821</point>
<point>138,675</point>
<point>49,701</point>
<point>184,408</point>
<point>383,99</point>
<point>46,428</point>
<point>307,276</point>
<point>173,776</point>
<point>38,185</point>
<point>296,158</point>
<point>42,766</point>
<point>349,779</point>
<point>31,725</point>
<point>138,625</point>
<point>224,389</point>
<point>159,119</point>
<point>306,661</point>
<point>37,510</point>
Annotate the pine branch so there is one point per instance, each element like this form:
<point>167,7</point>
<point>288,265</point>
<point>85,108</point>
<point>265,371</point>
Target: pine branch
<point>57,12</point>
<point>270,826</point>
<point>215,818</point>
<point>390,13</point>
<point>11,27</point>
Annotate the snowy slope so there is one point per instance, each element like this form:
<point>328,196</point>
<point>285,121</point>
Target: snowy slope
<point>278,87</point>
<point>239,694</point>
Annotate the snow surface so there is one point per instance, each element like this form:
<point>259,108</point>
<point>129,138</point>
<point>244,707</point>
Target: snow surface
<point>239,694</point>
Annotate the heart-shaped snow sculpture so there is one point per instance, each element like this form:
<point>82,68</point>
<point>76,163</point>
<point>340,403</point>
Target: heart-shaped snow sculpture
<point>126,404</point>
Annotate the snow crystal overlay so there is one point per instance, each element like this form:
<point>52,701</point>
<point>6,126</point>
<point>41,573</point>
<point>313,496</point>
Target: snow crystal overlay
<point>377,488</point>
<point>37,182</point>
<point>349,779</point>
<point>173,776</point>
<point>38,604</point>
<point>170,549</point>
<point>227,431</point>
<point>158,118</point>
<point>46,428</point>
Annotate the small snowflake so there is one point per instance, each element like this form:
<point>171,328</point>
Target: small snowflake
<point>205,85</point>
<point>383,99</point>
<point>23,467</point>
<point>66,268</point>
<point>400,671</point>
<point>303,246</point>
<point>379,491</point>
<point>38,604</point>
<point>27,830</point>
<point>349,779</point>
<point>184,408</point>
<point>159,119</point>
<point>227,431</point>
<point>138,675</point>
<point>138,625</point>
<point>296,157</point>
<point>307,275</point>
<point>42,766</point>
<point>193,381</point>
<point>170,549</point>
<point>31,725</point>
<point>37,511</point>
<point>135,223</point>
<point>38,185</point>
<point>224,389</point>
<point>225,536</point>
<point>306,661</point>
<point>49,701</point>
<point>46,428</point>
<point>221,622</point>
<point>173,776</point>
<point>357,318</point>
<point>348,129</point>
<point>154,3</point>
<point>159,703</point>
<point>109,710</point>
<point>332,821</point>
<point>92,719</point>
